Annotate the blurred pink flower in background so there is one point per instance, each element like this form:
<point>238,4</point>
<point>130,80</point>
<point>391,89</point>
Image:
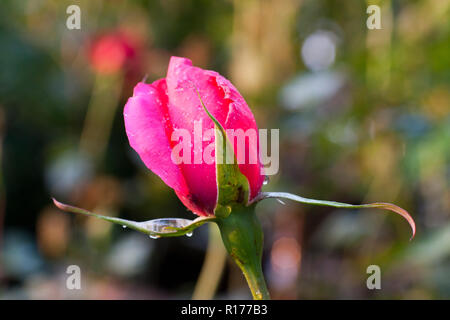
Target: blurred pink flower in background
<point>110,51</point>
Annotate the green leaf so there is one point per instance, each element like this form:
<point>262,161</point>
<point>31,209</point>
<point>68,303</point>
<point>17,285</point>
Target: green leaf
<point>379,205</point>
<point>158,228</point>
<point>233,187</point>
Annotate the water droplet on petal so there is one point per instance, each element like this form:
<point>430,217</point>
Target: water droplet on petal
<point>266,180</point>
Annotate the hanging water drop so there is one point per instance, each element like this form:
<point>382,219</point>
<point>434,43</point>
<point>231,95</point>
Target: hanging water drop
<point>154,236</point>
<point>124,226</point>
<point>166,225</point>
<point>266,180</point>
<point>189,234</point>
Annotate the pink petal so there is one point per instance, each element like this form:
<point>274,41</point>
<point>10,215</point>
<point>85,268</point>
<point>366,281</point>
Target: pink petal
<point>226,105</point>
<point>148,128</point>
<point>185,108</point>
<point>241,117</point>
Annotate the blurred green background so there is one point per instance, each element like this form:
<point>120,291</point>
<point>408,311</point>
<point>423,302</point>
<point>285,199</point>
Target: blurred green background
<point>363,117</point>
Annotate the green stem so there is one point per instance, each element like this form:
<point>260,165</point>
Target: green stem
<point>256,282</point>
<point>243,238</point>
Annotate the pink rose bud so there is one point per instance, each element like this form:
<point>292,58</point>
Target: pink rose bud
<point>156,110</point>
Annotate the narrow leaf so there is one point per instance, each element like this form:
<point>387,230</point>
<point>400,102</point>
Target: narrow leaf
<point>380,205</point>
<point>233,187</point>
<point>157,228</point>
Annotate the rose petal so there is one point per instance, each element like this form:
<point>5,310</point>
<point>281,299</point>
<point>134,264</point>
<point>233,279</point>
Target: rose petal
<point>148,129</point>
<point>226,104</point>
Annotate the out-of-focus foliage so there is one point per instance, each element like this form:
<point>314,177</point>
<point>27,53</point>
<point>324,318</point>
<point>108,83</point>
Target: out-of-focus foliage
<point>363,117</point>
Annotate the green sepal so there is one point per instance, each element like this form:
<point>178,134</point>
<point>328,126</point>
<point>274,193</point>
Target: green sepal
<point>145,226</point>
<point>376,205</point>
<point>232,186</point>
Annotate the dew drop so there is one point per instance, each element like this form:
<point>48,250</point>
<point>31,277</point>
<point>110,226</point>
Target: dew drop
<point>266,180</point>
<point>258,294</point>
<point>166,225</point>
<point>124,226</point>
<point>189,234</point>
<point>154,236</point>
